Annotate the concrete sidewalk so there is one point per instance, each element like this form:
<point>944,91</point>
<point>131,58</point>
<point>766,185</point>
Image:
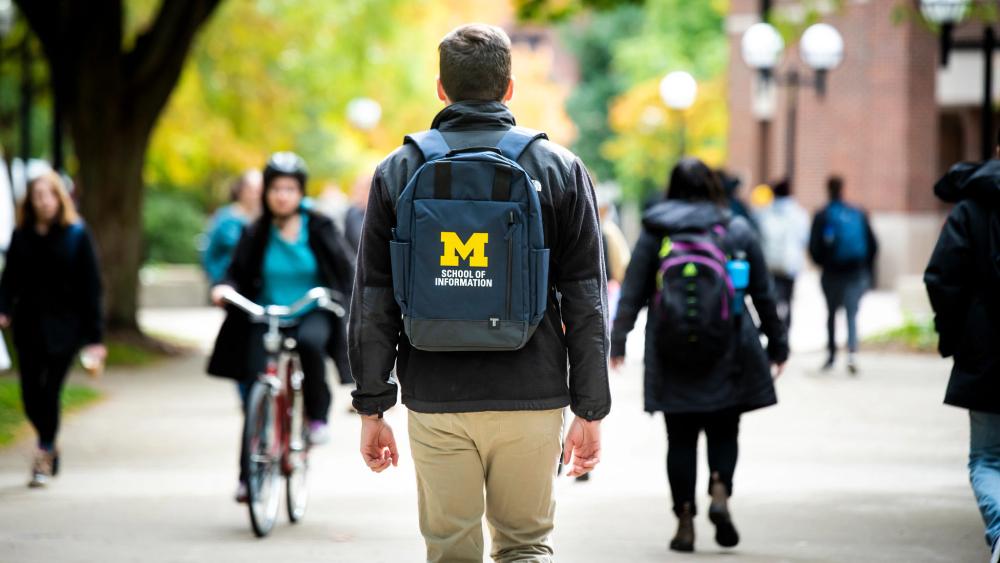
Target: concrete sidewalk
<point>866,469</point>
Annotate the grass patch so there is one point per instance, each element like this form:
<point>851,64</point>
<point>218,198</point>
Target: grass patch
<point>915,335</point>
<point>12,415</point>
<point>130,355</point>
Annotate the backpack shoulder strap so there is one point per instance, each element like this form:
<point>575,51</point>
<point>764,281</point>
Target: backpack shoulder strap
<point>74,233</point>
<point>430,142</point>
<point>516,139</point>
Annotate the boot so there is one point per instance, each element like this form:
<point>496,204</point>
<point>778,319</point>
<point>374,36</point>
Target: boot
<point>718,513</point>
<point>684,539</point>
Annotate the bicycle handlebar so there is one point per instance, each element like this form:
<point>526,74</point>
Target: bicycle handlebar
<point>323,297</point>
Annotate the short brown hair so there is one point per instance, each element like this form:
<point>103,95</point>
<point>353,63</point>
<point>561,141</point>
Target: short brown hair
<point>26,216</point>
<point>474,63</point>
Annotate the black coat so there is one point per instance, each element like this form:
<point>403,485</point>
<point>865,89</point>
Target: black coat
<point>51,288</point>
<point>741,379</point>
<point>336,270</point>
<point>963,282</point>
<point>556,367</point>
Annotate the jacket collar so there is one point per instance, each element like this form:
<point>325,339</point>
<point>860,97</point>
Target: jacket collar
<point>474,116</point>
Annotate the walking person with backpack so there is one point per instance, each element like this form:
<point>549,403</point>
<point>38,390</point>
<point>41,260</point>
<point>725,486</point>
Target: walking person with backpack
<point>50,293</point>
<point>784,233</point>
<point>843,244</point>
<point>704,363</point>
<point>472,229</point>
<point>963,282</point>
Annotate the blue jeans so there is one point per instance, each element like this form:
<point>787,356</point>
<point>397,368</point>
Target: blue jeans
<point>984,469</point>
<point>843,289</point>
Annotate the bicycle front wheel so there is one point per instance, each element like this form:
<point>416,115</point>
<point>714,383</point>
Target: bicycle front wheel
<point>262,446</point>
<point>296,491</point>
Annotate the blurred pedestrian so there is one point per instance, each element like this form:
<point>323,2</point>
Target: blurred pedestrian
<point>50,293</point>
<point>485,425</point>
<point>963,282</point>
<point>287,251</point>
<point>228,222</point>
<point>784,233</point>
<point>843,244</point>
<point>704,363</point>
<point>355,218</point>
<point>731,185</point>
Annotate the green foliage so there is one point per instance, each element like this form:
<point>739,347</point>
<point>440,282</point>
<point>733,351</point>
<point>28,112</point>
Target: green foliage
<point>12,414</point>
<point>592,41</point>
<point>915,335</point>
<point>547,11</point>
<point>171,224</point>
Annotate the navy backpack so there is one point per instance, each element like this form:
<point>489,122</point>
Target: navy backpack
<point>469,263</point>
<point>846,234</point>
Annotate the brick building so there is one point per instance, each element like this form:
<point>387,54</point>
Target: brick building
<point>890,124</point>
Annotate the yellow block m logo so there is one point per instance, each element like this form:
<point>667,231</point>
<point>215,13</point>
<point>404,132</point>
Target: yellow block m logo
<point>475,246</point>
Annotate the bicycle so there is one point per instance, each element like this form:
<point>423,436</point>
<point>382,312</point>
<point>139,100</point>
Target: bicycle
<point>275,441</point>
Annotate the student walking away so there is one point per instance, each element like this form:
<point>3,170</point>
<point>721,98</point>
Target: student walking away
<point>843,244</point>
<point>784,233</point>
<point>731,186</point>
<point>286,252</point>
<point>227,224</point>
<point>963,282</point>
<point>704,364</point>
<point>50,294</point>
<point>472,228</point>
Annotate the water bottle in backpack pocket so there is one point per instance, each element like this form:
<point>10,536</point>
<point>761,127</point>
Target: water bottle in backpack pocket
<point>470,271</point>
<point>693,310</point>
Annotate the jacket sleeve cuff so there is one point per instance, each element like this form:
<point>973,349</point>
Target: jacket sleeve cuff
<point>373,405</point>
<point>591,412</point>
<point>617,347</point>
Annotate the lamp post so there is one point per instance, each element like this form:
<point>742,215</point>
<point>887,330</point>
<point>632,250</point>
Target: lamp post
<point>678,91</point>
<point>364,113</point>
<point>947,14</point>
<point>821,48</point>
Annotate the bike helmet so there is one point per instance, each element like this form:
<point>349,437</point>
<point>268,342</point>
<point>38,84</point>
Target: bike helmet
<point>286,164</point>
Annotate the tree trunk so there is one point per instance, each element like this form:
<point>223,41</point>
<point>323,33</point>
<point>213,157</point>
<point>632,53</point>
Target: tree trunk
<point>111,202</point>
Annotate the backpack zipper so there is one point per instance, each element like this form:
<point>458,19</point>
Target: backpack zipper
<point>511,222</point>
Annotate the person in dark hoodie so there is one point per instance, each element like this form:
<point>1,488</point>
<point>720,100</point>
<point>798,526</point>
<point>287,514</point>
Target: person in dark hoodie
<point>485,427</point>
<point>963,282</point>
<point>286,252</point>
<point>712,394</point>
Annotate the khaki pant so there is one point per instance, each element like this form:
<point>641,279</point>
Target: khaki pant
<point>512,456</point>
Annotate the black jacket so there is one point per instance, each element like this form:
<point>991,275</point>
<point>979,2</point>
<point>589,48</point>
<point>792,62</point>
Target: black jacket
<point>532,378</point>
<point>741,380</point>
<point>963,282</point>
<point>51,289</point>
<point>820,251</point>
<point>335,262</point>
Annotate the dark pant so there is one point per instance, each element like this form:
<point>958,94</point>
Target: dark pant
<point>722,430</point>
<point>312,334</point>
<point>843,289</point>
<point>42,378</point>
<point>784,287</point>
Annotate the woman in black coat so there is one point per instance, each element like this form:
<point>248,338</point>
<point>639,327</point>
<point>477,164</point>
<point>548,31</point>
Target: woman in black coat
<point>282,255</point>
<point>51,294</point>
<point>712,395</point>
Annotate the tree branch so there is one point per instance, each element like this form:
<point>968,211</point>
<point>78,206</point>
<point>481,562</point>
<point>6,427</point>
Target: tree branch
<point>37,12</point>
<point>168,40</point>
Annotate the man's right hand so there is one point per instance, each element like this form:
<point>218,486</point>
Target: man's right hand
<point>4,321</point>
<point>617,362</point>
<point>218,292</point>
<point>378,445</point>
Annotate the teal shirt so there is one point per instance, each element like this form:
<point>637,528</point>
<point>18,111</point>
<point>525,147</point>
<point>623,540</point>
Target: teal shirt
<point>290,268</point>
<point>223,234</point>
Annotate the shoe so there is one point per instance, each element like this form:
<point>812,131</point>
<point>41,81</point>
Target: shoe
<point>718,513</point>
<point>55,463</point>
<point>828,365</point>
<point>242,493</point>
<point>319,433</point>
<point>583,478</point>
<point>41,469</point>
<point>684,538</point>
<point>852,364</point>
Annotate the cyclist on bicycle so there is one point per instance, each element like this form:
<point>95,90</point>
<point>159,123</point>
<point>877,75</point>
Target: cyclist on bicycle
<point>283,254</point>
